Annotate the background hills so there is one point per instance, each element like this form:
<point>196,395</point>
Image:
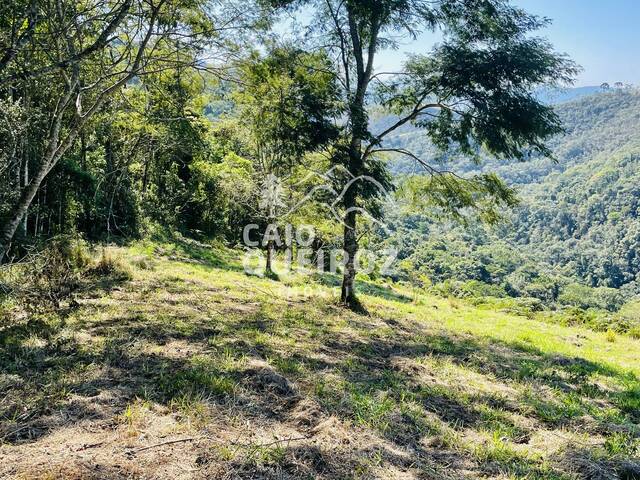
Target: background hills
<point>574,238</point>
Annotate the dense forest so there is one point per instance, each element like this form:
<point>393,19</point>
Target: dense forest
<point>573,238</point>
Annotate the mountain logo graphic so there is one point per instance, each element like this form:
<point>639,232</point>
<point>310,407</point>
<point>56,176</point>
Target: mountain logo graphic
<point>271,187</point>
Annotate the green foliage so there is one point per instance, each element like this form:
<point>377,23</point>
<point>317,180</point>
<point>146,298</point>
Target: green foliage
<point>491,78</point>
<point>451,196</point>
<point>570,243</point>
<point>186,149</point>
<point>221,194</point>
<point>469,289</point>
<point>286,103</point>
<point>585,297</point>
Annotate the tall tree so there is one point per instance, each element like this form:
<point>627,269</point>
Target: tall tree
<point>85,52</point>
<point>472,91</point>
<point>287,106</point>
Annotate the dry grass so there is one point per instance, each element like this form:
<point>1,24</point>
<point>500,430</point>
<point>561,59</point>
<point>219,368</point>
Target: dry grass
<point>187,368</point>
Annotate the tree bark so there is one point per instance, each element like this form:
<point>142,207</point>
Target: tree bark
<point>348,294</point>
<point>9,228</point>
<point>359,132</point>
<point>25,182</point>
<point>270,253</point>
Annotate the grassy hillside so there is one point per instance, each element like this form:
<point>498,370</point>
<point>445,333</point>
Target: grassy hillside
<point>184,367</point>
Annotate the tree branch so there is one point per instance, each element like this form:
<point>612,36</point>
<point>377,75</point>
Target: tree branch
<point>103,39</point>
<point>432,171</point>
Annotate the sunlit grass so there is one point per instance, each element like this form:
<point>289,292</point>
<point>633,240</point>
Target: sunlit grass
<point>195,335</point>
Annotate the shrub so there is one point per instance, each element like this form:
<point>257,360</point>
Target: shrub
<point>592,318</point>
<point>524,306</point>
<point>109,265</point>
<point>469,289</point>
<point>628,319</point>
<point>54,272</point>
<point>585,297</point>
<point>44,279</point>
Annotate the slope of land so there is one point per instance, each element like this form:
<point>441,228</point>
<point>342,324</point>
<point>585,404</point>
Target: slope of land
<point>192,369</point>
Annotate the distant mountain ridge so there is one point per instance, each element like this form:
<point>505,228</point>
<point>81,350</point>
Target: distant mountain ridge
<point>580,215</point>
<point>586,208</point>
<point>556,96</point>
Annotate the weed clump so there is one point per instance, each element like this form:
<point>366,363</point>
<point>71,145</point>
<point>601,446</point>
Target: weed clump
<point>634,332</point>
<point>42,280</point>
<point>109,265</point>
<point>54,273</point>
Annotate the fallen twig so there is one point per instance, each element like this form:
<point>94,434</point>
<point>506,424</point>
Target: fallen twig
<point>168,442</point>
<point>14,432</point>
<point>239,445</point>
<point>276,442</point>
<point>88,446</point>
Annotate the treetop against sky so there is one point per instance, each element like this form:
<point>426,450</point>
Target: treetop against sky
<point>602,37</point>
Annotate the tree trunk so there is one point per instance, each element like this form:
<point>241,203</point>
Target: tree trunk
<point>20,210</point>
<point>36,223</point>
<point>348,294</point>
<point>145,176</point>
<point>25,182</point>
<point>359,132</point>
<point>269,265</point>
<point>26,156</point>
<point>355,166</point>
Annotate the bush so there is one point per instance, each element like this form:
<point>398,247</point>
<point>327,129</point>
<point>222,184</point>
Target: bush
<point>44,279</point>
<point>524,306</point>
<point>109,265</point>
<point>469,289</point>
<point>64,254</point>
<point>54,272</point>
<point>594,319</point>
<point>582,296</point>
<point>543,289</point>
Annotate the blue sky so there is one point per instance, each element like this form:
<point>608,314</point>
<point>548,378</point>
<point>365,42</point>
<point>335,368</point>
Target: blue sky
<point>602,36</point>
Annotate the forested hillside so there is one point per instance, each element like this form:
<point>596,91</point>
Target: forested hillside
<point>577,221</point>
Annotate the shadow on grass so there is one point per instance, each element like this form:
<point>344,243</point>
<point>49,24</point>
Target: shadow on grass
<point>559,392</point>
<point>363,287</point>
<point>191,251</point>
<point>570,378</point>
<point>38,315</point>
<point>51,380</point>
